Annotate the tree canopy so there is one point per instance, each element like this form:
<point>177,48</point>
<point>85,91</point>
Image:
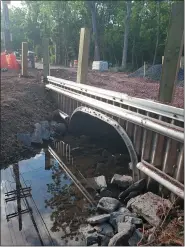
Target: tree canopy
<point>61,21</point>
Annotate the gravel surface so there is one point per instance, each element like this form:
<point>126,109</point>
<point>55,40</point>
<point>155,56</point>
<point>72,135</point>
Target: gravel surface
<point>24,102</point>
<point>137,87</point>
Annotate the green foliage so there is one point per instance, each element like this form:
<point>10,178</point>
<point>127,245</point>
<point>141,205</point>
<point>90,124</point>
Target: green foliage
<point>61,22</point>
<point>52,59</point>
<point>38,51</point>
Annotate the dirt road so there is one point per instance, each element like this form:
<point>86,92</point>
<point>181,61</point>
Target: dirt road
<point>24,102</point>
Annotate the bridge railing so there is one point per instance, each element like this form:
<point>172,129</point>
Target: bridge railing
<point>156,130</point>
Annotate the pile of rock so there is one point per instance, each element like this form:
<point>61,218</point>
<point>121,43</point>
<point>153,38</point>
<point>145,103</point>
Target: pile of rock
<point>154,72</point>
<point>119,222</point>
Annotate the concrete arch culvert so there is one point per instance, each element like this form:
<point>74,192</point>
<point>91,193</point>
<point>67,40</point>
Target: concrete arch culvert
<point>86,121</point>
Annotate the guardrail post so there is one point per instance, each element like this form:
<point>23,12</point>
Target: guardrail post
<point>83,55</point>
<point>173,52</point>
<point>24,62</point>
<point>45,58</point>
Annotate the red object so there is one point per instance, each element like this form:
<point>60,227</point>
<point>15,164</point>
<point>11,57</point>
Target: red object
<point>75,63</point>
<point>4,63</point>
<point>12,62</point>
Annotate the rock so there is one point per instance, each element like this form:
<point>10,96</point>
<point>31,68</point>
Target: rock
<point>131,195</point>
<point>100,182</point>
<point>97,182</point>
<point>119,216</point>
<point>122,237</point>
<point>135,238</point>
<point>133,220</point>
<point>138,186</point>
<point>36,136</point>
<point>89,233</point>
<point>112,190</point>
<point>105,193</point>
<point>91,239</point>
<point>124,225</point>
<point>105,229</point>
<point>25,139</point>
<point>108,204</point>
<point>97,235</point>
<point>122,180</point>
<point>98,219</point>
<point>45,128</point>
<point>149,206</point>
<point>104,240</point>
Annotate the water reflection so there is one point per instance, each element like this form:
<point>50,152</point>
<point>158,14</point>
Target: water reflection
<point>55,207</point>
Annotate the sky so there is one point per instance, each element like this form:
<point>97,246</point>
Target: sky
<point>15,3</point>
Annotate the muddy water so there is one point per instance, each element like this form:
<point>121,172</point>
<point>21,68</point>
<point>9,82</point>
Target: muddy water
<point>54,208</point>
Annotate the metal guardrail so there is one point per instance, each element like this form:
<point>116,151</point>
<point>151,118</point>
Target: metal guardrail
<point>123,99</point>
<point>156,130</point>
<point>158,126</point>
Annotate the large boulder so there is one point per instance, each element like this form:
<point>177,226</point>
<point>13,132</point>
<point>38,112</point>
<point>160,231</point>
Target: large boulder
<point>122,180</point>
<point>133,220</point>
<point>112,190</point>
<point>119,217</point>
<point>138,186</point>
<point>131,195</point>
<point>98,219</point>
<point>150,207</point>
<point>105,229</point>
<point>36,136</point>
<point>108,204</point>
<point>135,238</point>
<point>99,182</point>
<point>122,237</point>
<point>45,128</point>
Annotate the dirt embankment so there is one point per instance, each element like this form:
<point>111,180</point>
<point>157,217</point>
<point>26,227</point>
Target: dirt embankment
<point>24,102</point>
<point>137,87</point>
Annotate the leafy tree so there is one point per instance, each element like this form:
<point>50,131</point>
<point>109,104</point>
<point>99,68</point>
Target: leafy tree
<point>61,21</point>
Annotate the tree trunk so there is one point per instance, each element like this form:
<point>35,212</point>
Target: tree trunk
<point>158,26</point>
<point>133,50</point>
<point>126,34</point>
<point>91,5</point>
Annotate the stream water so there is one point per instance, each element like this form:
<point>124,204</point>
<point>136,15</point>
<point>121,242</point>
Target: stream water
<point>50,206</point>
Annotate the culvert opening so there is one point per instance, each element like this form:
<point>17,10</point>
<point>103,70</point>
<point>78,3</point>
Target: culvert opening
<point>100,132</point>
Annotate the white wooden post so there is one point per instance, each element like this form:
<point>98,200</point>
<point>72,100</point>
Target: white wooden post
<point>83,55</point>
<point>24,62</point>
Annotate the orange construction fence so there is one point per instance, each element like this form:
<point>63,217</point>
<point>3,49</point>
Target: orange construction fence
<point>9,61</point>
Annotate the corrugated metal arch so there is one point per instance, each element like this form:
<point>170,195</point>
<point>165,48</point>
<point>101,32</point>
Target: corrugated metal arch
<point>122,133</point>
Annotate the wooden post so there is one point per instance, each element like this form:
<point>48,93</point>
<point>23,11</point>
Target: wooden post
<point>45,58</point>
<point>24,62</point>
<point>144,69</point>
<point>173,52</point>
<point>83,55</point>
